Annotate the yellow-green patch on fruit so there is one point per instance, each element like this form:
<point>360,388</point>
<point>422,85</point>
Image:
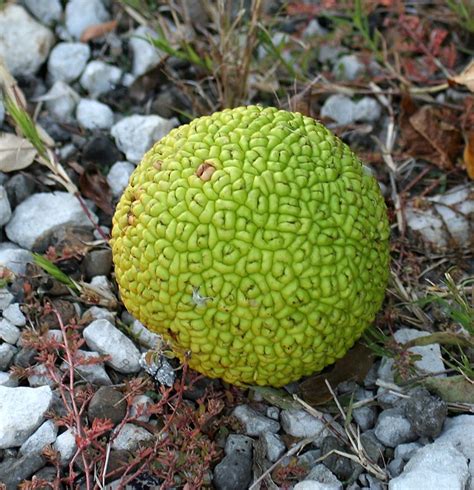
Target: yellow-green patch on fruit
<point>254,240</point>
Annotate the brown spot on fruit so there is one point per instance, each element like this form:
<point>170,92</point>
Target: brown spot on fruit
<point>205,171</point>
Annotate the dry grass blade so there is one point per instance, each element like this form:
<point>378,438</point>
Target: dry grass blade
<point>297,447</point>
<point>359,453</point>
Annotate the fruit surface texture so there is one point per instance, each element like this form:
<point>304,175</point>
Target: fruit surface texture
<point>255,242</point>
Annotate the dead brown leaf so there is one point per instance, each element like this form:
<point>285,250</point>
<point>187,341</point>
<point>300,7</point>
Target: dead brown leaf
<point>431,133</point>
<point>466,77</point>
<point>468,154</point>
<point>98,30</point>
<point>354,366</point>
<point>94,186</point>
<point>15,153</point>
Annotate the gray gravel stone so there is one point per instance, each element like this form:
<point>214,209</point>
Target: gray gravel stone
<point>24,43</point>
<point>100,77</point>
<point>92,373</point>
<point>35,219</point>
<point>16,471</point>
<point>274,446</point>
<point>368,110</point>
<point>145,55</point>
<point>340,109</point>
<point>2,112</point>
<point>91,114</point>
<point>234,472</point>
<point>348,67</point>
<point>8,332</point>
<point>46,11</point>
<point>315,485</point>
<point>6,298</point>
<point>343,468</point>
<point>5,208</point>
<point>61,101</point>
<point>308,458</point>
<point>426,413</point>
<point>444,221</point>
<point>118,177</point>
<point>299,423</point>
<point>140,405</point>
<point>98,313</point>
<point>39,376</point>
<point>395,467</point>
<point>372,446</point>
<point>393,428</point>
<point>365,417</point>
<point>19,187</point>
<point>7,353</point>
<point>45,434</point>
<point>67,61</point>
<point>134,135</point>
<point>431,359</point>
<point>321,474</point>
<point>254,423</point>
<point>97,263</point>
<point>406,451</point>
<point>14,258</point>
<point>107,402</point>
<point>130,437</point>
<point>273,413</point>
<point>438,465</point>
<point>14,315</point>
<point>81,14</point>
<point>66,445</point>
<point>104,338</point>
<point>144,336</point>
<point>237,443</point>
<point>8,380</point>
<point>22,411</point>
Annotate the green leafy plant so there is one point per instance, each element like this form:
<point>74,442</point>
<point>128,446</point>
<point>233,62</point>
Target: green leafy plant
<point>464,11</point>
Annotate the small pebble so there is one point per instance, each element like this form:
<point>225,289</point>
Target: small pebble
<point>92,115</point>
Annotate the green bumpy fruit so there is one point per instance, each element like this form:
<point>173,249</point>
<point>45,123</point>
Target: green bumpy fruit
<point>255,242</point>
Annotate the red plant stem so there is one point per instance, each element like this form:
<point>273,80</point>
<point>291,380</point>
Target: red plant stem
<point>89,216</point>
<point>75,411</point>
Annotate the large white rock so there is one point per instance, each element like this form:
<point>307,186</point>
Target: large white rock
<point>41,214</point>
<point>46,11</point>
<point>145,55</point>
<point>100,77</point>
<point>443,221</point>
<point>438,465</point>
<point>14,258</point>
<point>22,411</point>
<point>459,431</point>
<point>81,14</point>
<point>67,61</point>
<point>134,135</point>
<point>24,43</point>
<point>103,337</point>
